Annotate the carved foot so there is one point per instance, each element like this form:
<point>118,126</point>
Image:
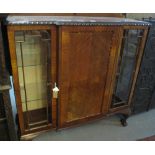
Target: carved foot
<point>123,119</point>
<point>124,122</point>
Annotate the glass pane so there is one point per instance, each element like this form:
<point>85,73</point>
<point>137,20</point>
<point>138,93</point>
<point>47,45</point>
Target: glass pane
<point>32,51</point>
<point>127,63</point>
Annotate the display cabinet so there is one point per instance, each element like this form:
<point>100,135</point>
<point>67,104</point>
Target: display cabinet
<point>70,70</point>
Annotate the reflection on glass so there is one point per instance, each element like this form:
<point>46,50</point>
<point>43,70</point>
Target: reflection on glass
<point>32,51</point>
<point>127,63</point>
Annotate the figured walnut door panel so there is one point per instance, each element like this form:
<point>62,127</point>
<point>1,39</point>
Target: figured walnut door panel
<point>83,68</point>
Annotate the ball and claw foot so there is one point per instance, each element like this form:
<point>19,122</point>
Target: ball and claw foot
<point>124,122</point>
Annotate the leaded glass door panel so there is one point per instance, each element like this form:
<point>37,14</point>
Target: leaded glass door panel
<point>126,66</point>
<point>33,64</point>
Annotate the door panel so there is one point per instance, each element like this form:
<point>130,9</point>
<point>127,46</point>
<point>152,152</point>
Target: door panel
<point>84,61</point>
<point>127,66</point>
<point>33,59</point>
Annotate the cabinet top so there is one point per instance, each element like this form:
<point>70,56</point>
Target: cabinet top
<point>72,20</point>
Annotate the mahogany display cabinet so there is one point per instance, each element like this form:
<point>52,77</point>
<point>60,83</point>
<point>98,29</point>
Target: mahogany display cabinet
<point>71,70</point>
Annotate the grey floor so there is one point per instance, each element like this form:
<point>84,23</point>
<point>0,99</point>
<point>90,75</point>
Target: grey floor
<point>109,129</point>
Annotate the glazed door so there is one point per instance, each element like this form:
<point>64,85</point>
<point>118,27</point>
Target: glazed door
<point>86,64</point>
<point>128,65</point>
<point>33,58</point>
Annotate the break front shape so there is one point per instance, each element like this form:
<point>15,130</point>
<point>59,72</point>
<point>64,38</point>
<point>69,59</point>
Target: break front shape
<point>80,56</point>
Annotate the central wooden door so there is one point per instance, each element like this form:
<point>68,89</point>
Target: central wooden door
<point>87,55</point>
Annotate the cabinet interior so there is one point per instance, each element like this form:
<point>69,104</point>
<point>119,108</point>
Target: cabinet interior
<point>32,53</point>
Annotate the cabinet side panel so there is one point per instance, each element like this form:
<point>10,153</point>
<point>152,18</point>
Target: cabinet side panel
<point>15,75</point>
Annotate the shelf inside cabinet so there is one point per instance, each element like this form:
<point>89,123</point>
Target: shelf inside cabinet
<point>117,101</point>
